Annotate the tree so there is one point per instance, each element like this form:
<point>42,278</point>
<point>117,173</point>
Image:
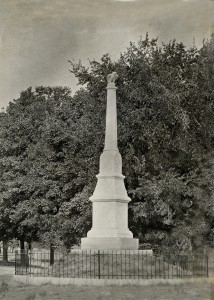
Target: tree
<point>26,192</point>
<point>165,122</point>
<point>42,154</point>
<point>5,225</point>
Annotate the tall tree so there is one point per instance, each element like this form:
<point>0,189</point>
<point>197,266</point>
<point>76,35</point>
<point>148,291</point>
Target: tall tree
<point>165,122</point>
<point>28,190</point>
<point>42,152</point>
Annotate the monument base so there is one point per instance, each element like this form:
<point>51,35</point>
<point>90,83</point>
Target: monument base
<point>111,243</point>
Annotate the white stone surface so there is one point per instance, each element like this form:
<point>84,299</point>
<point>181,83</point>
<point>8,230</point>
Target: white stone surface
<point>111,243</point>
<point>110,199</point>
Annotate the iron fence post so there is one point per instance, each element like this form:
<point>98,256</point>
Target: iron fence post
<point>30,262</point>
<point>207,260</point>
<point>15,262</point>
<point>99,264</point>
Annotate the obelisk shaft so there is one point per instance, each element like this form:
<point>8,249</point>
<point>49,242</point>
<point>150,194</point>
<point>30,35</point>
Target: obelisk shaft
<point>111,119</point>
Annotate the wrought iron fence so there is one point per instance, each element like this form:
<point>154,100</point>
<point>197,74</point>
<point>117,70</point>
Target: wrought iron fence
<point>109,264</point>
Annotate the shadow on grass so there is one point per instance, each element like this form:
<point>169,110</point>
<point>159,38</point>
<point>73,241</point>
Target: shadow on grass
<point>7,263</point>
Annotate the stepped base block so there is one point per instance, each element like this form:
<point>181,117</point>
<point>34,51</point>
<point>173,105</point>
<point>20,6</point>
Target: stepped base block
<point>113,243</point>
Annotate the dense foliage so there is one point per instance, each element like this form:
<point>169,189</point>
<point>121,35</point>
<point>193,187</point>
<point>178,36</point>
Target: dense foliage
<point>165,118</point>
<point>42,166</point>
<point>51,142</point>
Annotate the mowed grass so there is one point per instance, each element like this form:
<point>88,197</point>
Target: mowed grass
<point>114,266</point>
<point>10,290</point>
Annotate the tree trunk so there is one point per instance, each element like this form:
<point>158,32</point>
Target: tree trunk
<point>5,251</point>
<point>22,251</point>
<point>29,246</point>
<point>51,254</point>
<point>22,245</point>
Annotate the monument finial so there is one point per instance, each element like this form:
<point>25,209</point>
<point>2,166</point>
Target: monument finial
<point>111,78</point>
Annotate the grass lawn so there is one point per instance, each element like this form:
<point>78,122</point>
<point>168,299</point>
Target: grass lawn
<point>10,290</point>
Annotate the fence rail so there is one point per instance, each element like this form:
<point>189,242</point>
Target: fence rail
<point>109,264</point>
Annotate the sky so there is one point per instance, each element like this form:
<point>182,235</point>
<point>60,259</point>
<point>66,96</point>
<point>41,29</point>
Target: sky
<point>38,37</point>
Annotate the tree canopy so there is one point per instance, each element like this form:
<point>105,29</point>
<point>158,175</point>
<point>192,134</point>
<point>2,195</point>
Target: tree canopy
<point>51,143</point>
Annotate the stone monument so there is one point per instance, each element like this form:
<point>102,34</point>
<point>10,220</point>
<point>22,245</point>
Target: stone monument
<point>110,199</point>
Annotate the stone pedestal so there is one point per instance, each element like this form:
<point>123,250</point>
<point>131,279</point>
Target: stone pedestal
<point>110,199</point>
